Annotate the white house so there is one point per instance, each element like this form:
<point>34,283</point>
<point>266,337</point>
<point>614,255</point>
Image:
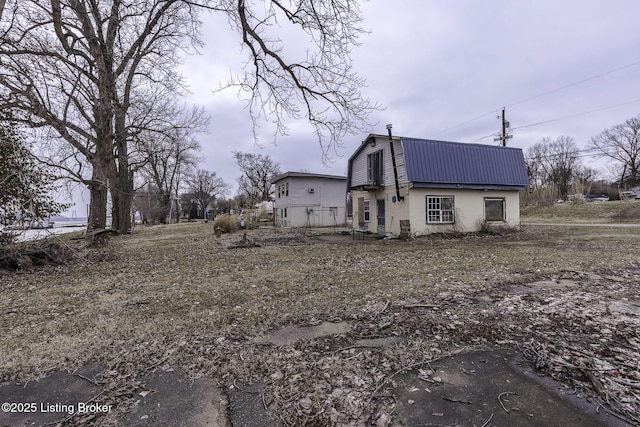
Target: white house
<point>421,186</point>
<point>308,199</point>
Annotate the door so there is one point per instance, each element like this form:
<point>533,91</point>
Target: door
<point>380,216</point>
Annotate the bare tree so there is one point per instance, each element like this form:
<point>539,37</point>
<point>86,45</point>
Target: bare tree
<point>205,187</point>
<point>553,164</point>
<point>322,86</point>
<point>622,144</point>
<point>257,173</point>
<point>77,67</point>
<point>167,159</point>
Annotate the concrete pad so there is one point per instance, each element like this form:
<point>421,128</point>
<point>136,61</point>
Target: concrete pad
<point>175,399</point>
<point>48,400</point>
<point>290,334</point>
<point>170,398</point>
<point>490,388</point>
<point>247,406</point>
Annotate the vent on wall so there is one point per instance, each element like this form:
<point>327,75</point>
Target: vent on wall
<point>311,190</point>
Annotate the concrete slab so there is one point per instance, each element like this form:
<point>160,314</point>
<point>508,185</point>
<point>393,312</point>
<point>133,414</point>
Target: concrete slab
<point>290,334</point>
<point>490,388</point>
<point>167,398</point>
<point>175,399</point>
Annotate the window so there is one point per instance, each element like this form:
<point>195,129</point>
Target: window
<point>367,210</point>
<point>494,210</point>
<point>286,189</point>
<point>279,187</point>
<point>375,168</point>
<point>283,213</point>
<point>440,210</point>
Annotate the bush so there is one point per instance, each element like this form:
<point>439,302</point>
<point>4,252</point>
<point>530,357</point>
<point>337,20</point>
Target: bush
<point>228,223</point>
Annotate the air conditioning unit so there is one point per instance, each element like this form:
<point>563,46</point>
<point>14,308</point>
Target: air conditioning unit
<point>311,190</point>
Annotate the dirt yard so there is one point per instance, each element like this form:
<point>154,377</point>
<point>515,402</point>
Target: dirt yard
<point>566,297</point>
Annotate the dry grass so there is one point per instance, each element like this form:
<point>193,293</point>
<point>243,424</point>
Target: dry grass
<point>177,293</point>
<point>617,211</point>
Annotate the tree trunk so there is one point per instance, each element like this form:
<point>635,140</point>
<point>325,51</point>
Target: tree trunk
<point>97,204</point>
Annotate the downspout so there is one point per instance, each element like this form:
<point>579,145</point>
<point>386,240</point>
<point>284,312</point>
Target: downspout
<point>395,169</point>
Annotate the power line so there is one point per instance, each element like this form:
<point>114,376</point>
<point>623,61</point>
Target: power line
<point>562,118</point>
<point>576,115</point>
<point>575,83</point>
<point>538,96</point>
<point>460,124</point>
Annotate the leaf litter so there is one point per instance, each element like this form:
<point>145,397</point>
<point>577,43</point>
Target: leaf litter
<point>179,297</point>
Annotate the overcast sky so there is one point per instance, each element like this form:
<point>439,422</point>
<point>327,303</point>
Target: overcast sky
<point>443,70</point>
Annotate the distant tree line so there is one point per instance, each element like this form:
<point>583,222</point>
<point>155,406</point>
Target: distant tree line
<point>556,170</point>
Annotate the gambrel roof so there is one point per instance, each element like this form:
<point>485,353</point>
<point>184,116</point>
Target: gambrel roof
<point>444,164</point>
<point>432,163</point>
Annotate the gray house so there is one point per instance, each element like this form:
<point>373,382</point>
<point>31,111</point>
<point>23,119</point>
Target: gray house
<point>308,199</point>
<point>421,186</point>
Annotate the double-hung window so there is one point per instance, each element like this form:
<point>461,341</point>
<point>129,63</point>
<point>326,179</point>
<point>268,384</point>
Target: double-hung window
<point>440,210</point>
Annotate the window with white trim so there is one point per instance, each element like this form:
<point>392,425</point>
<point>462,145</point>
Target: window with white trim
<point>494,209</point>
<point>440,210</point>
<point>367,210</point>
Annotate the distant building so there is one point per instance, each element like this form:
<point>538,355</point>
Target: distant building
<point>421,186</point>
<point>308,199</point>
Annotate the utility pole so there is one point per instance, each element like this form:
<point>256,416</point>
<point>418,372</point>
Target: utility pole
<point>505,130</point>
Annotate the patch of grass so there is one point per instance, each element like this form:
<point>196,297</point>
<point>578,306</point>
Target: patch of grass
<point>624,211</point>
<point>177,281</point>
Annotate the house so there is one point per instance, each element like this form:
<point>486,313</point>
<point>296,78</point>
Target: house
<point>421,186</point>
<point>311,200</point>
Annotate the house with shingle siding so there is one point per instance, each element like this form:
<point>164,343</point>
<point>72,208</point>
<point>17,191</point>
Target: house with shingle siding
<point>423,186</point>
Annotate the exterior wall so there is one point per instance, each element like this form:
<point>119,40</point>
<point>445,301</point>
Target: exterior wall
<point>359,165</point>
<point>311,208</point>
<point>468,205</point>
<point>469,210</point>
<point>394,211</point>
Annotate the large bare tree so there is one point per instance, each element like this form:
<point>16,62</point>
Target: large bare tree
<point>622,144</point>
<point>78,66</point>
<point>321,86</point>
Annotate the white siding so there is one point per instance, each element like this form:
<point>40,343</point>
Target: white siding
<point>359,163</point>
<point>312,208</point>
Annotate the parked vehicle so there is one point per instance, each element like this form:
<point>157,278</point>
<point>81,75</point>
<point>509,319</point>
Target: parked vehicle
<point>598,197</point>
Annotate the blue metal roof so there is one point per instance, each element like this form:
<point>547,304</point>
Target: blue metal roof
<point>456,165</point>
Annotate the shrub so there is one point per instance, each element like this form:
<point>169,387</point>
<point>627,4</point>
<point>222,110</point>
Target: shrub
<point>228,223</point>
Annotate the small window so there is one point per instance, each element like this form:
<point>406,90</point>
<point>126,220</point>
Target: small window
<point>494,210</point>
<point>440,210</point>
<point>367,210</point>
<point>286,189</point>
<point>279,188</point>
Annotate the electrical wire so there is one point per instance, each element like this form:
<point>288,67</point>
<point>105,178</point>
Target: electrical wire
<point>574,83</point>
<point>538,96</point>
